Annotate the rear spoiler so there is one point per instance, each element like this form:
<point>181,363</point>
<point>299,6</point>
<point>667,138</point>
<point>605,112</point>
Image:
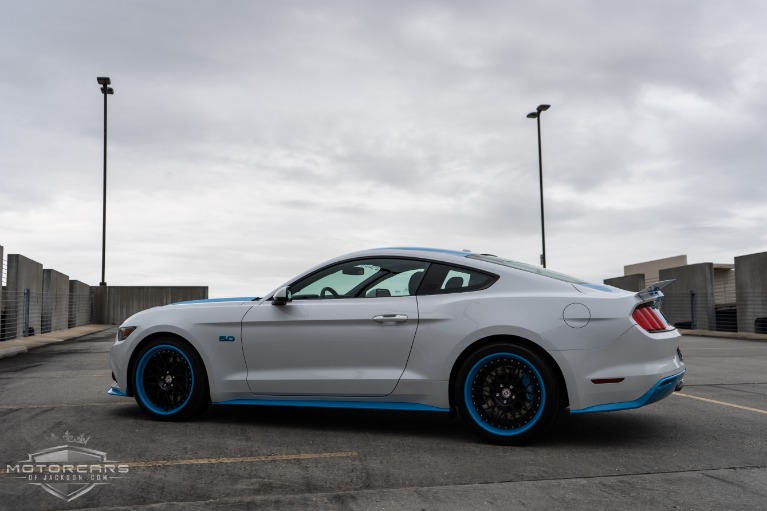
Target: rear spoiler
<point>653,290</point>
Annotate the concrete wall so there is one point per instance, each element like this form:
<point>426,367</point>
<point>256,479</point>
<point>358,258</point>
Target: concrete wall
<point>23,273</point>
<point>724,284</point>
<point>2,289</point>
<point>55,301</point>
<point>677,304</point>
<point>651,269</point>
<point>115,304</point>
<point>80,304</point>
<point>100,305</point>
<point>751,291</point>
<point>634,282</point>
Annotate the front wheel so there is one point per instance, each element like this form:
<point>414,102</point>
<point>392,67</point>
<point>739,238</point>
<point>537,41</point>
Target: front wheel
<point>506,393</point>
<point>169,380</point>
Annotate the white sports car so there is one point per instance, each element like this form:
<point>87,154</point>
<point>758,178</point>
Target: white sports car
<point>506,344</point>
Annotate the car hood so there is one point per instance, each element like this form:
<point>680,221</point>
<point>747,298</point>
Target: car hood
<point>163,312</point>
<point>218,300</point>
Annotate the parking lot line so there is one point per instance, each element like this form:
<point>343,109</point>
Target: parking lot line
<point>57,405</point>
<point>244,459</point>
<point>723,403</point>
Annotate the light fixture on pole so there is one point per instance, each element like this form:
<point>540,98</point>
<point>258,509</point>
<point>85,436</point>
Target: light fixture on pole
<point>537,115</point>
<point>104,81</point>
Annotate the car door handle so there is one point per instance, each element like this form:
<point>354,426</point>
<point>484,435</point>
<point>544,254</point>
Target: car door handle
<point>386,319</point>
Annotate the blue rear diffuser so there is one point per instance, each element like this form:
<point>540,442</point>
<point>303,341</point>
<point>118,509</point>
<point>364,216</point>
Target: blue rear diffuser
<point>660,390</point>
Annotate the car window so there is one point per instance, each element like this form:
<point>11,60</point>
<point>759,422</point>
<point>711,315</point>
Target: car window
<point>449,279</point>
<point>395,285</point>
<point>362,278</point>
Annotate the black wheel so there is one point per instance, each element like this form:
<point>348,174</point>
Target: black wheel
<point>506,394</point>
<point>169,381</point>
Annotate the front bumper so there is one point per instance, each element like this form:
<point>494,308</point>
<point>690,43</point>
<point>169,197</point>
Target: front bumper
<point>114,390</point>
<point>118,362</point>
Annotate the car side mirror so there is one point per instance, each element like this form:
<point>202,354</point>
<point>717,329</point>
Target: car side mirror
<point>282,296</point>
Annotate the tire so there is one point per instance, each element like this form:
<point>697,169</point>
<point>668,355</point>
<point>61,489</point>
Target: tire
<point>487,391</point>
<point>169,380</point>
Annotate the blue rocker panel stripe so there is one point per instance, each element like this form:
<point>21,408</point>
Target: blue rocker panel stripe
<point>359,405</point>
<point>664,388</point>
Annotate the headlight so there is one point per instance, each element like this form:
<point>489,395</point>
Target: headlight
<point>124,332</point>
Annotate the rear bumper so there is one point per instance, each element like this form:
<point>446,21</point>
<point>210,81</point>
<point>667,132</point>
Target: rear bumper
<point>664,388</point>
<point>636,369</point>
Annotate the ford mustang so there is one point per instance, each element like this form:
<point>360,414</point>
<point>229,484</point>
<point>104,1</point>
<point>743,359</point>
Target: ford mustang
<point>504,344</point>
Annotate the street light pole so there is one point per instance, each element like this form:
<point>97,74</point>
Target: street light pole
<point>104,81</point>
<point>537,116</point>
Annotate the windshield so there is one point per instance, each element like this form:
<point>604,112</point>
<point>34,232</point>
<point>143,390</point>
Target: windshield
<point>527,267</point>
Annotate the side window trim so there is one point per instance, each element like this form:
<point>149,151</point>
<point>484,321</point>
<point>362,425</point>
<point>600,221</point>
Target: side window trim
<point>437,272</point>
<point>369,283</point>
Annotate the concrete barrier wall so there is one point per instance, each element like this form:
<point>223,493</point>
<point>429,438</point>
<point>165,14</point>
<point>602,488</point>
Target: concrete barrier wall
<point>2,289</point>
<point>55,301</point>
<point>23,273</point>
<point>677,305</point>
<point>751,292</point>
<point>80,304</point>
<point>115,304</point>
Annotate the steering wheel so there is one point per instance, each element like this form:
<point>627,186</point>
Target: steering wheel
<point>329,290</point>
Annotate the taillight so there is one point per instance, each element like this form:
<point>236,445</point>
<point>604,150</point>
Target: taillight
<point>649,318</point>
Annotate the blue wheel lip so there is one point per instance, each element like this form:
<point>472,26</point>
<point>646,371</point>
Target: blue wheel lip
<point>140,388</point>
<point>475,415</point>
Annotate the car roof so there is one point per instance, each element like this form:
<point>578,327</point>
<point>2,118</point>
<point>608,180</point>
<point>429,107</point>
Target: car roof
<point>479,261</point>
<point>438,254</point>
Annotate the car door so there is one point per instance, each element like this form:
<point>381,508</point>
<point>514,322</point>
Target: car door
<point>348,331</point>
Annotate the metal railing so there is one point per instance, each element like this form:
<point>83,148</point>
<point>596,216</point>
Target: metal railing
<point>706,311</point>
<point>80,309</point>
<point>28,313</point>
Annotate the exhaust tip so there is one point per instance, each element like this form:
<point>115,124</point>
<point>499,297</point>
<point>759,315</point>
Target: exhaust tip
<point>679,385</point>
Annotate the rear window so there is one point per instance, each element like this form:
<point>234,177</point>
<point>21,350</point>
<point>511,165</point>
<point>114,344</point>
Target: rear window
<point>442,279</point>
<point>527,267</point>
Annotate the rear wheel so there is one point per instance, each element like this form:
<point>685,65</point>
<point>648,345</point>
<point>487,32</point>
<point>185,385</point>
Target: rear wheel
<point>169,380</point>
<point>506,393</point>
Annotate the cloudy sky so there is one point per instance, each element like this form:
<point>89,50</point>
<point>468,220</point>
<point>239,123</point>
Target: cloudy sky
<point>249,140</point>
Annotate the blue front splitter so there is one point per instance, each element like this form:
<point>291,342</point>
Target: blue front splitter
<point>114,390</point>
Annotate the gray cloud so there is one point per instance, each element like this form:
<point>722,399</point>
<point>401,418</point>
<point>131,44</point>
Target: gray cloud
<point>251,139</point>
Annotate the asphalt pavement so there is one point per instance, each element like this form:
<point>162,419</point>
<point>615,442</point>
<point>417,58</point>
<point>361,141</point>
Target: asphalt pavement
<point>699,449</point>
